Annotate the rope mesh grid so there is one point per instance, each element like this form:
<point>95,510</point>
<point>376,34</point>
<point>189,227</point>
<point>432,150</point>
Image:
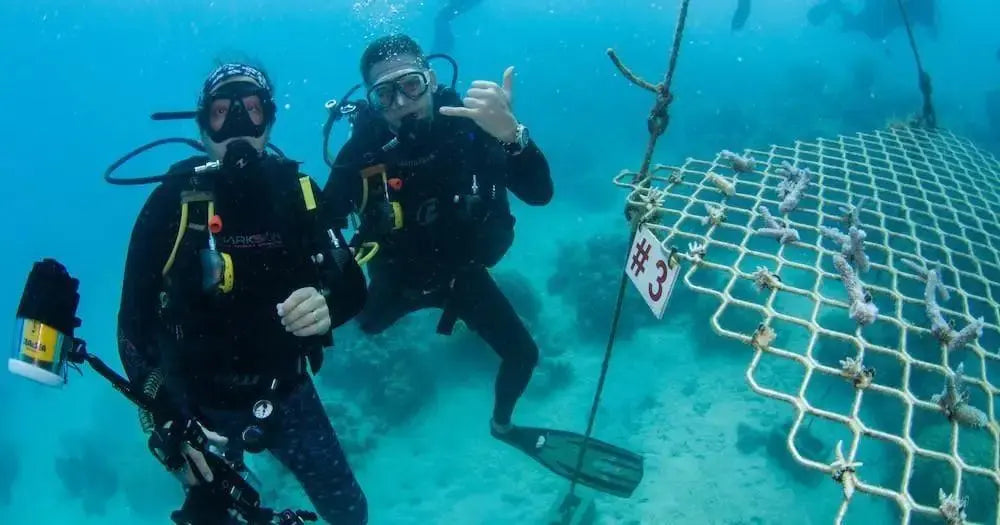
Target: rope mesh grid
<point>931,197</point>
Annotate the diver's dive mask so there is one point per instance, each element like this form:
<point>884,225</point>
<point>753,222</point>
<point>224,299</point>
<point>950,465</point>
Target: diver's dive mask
<point>247,110</point>
<point>412,85</point>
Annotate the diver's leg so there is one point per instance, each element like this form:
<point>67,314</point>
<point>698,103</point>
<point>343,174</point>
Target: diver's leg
<point>385,305</point>
<point>307,445</point>
<point>481,304</point>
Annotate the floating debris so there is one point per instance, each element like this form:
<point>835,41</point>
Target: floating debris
<point>860,374</point>
<point>697,251</point>
<point>716,215</point>
<point>952,508</point>
<point>954,399</point>
<point>845,472</point>
<point>923,271</point>
<point>725,186</point>
<point>852,212</point>
<point>745,164</point>
<point>852,246</point>
<point>762,337</point>
<point>863,310</point>
<point>791,189</point>
<point>774,229</point>
<point>766,280</point>
<point>941,328</point>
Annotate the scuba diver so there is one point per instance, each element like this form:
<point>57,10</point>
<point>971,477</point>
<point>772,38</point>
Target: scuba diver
<point>427,173</point>
<point>444,39</point>
<point>877,18</point>
<point>232,288</point>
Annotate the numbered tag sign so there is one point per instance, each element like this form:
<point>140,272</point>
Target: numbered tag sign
<point>652,272</point>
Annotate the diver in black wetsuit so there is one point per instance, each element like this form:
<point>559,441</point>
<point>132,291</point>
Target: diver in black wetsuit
<point>444,39</point>
<point>225,304</point>
<point>429,180</point>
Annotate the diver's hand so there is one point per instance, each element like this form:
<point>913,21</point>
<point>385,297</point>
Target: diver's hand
<point>195,459</point>
<point>489,105</point>
<point>305,313</point>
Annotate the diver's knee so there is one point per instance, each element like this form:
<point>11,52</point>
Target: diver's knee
<point>354,514</point>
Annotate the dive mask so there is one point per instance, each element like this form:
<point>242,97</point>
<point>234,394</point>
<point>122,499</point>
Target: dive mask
<point>411,85</point>
<point>247,110</point>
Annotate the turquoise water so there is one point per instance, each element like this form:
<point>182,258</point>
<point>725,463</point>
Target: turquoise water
<point>81,78</point>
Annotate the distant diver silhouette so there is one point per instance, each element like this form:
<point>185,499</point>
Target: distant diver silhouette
<point>877,18</point>
<point>444,39</point>
<point>741,14</point>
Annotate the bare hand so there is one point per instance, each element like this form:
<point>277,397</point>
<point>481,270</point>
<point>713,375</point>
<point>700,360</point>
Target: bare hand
<point>489,105</point>
<point>195,459</point>
<point>305,313</point>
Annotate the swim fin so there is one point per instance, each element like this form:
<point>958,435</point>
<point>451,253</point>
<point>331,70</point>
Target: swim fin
<point>605,467</point>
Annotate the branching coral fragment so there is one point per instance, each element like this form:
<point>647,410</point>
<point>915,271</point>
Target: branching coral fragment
<point>716,215</point>
<point>765,280</point>
<point>923,271</point>
<point>852,246</point>
<point>762,337</point>
<point>845,472</point>
<point>745,164</point>
<point>940,327</point>
<point>863,310</point>
<point>725,186</point>
<point>696,252</point>
<point>774,229</point>
<point>952,508</point>
<point>860,374</point>
<point>852,212</point>
<point>953,400</point>
<point>791,189</point>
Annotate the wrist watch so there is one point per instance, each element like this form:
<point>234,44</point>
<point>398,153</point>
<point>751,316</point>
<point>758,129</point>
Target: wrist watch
<point>520,141</point>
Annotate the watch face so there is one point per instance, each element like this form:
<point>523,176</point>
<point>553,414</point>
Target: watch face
<point>523,136</point>
<point>262,409</point>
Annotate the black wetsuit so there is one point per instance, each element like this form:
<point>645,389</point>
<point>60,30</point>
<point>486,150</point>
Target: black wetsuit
<point>219,354</point>
<point>452,191</point>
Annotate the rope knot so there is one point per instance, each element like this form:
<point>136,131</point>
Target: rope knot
<point>658,116</point>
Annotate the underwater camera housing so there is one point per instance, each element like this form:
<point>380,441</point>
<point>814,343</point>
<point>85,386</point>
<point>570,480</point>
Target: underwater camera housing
<point>44,348</point>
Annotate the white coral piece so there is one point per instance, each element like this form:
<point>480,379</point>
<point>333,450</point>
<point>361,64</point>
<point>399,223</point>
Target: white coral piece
<point>862,310</point>
<point>953,400</point>
<point>765,279</point>
<point>762,337</point>
<point>774,229</point>
<point>852,212</point>
<point>852,246</point>
<point>716,215</point>
<point>725,186</point>
<point>924,272</point>
<point>697,251</point>
<point>845,472</point>
<point>791,189</point>
<point>740,163</point>
<point>952,508</point>
<point>856,371</point>
<point>940,327</point>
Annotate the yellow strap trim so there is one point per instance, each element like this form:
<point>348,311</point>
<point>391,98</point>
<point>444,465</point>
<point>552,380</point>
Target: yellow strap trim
<point>397,216</point>
<point>228,273</point>
<point>363,256</point>
<point>307,193</point>
<point>181,228</point>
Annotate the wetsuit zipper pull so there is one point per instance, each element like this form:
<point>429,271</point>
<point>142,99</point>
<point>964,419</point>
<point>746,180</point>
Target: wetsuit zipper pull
<point>475,185</point>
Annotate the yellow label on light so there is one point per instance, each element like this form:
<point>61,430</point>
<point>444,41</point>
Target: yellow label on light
<point>39,341</point>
